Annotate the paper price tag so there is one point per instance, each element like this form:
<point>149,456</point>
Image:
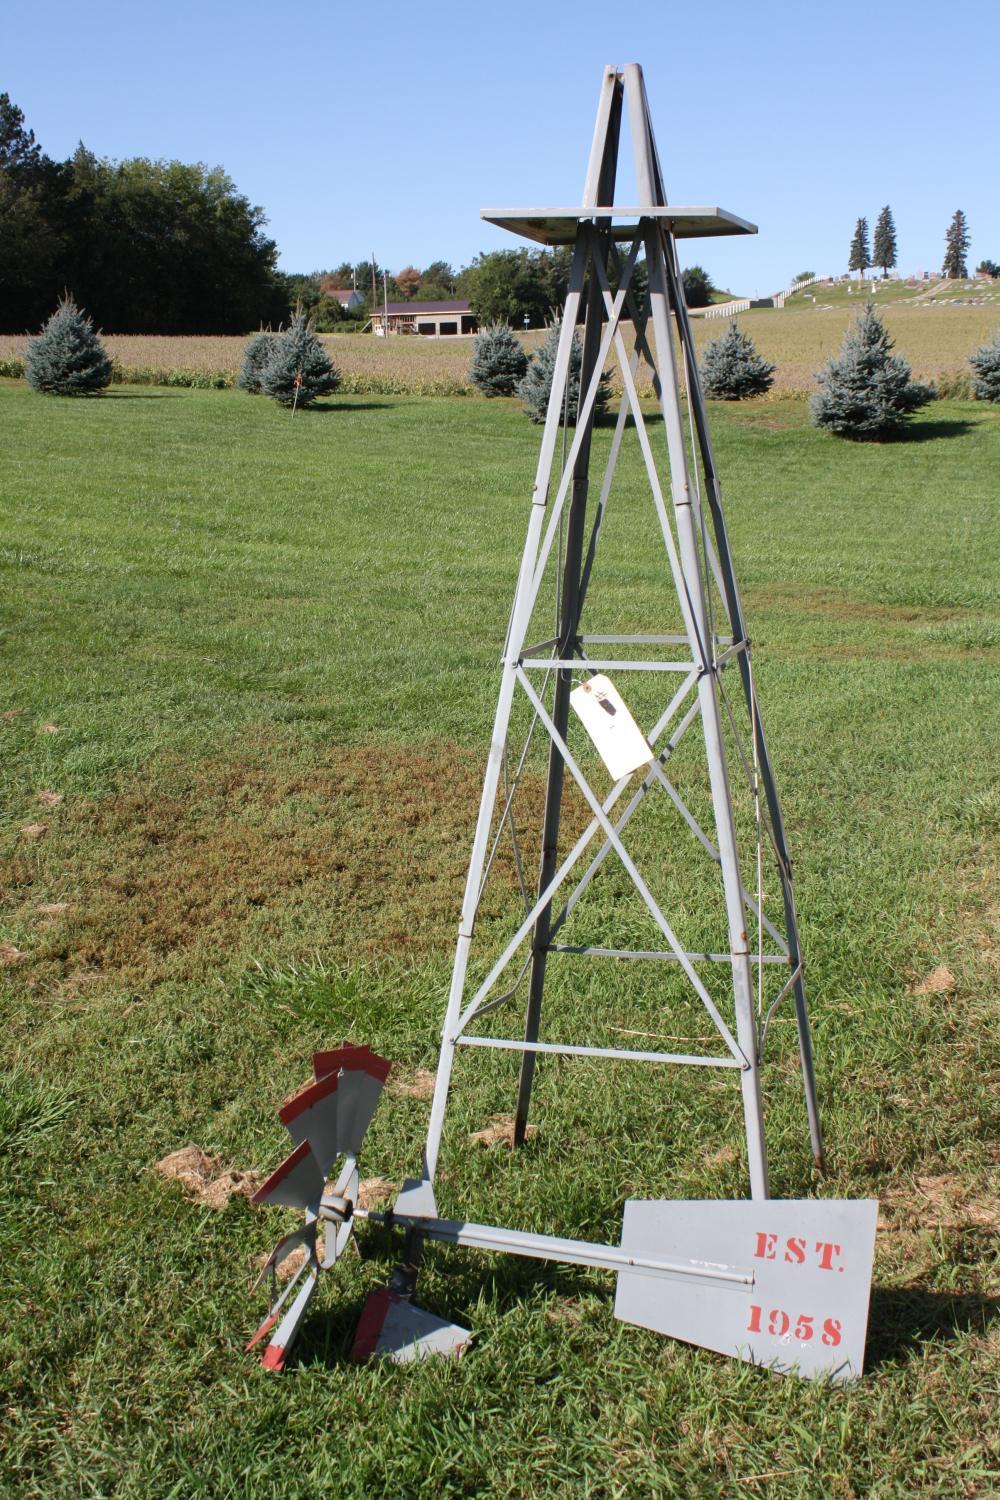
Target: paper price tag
<point>617,738</point>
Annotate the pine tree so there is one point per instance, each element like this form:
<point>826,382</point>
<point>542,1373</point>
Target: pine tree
<point>537,383</point>
<point>860,257</point>
<point>884,248</point>
<point>255,356</point>
<point>299,368</point>
<point>498,361</point>
<point>732,368</point>
<point>67,358</point>
<point>985,363</point>
<point>867,390</point>
<point>956,247</point>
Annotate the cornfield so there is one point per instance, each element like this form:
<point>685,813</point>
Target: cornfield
<point>936,340</point>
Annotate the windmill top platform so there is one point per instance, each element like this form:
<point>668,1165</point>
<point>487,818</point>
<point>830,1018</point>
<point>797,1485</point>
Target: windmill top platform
<point>558,226</point>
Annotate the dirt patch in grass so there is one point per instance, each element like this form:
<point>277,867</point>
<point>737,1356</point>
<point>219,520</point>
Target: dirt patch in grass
<point>940,981</point>
<point>416,1085</point>
<point>190,868</point>
<point>500,1132</point>
<point>374,1191</point>
<point>944,1201</point>
<point>204,1179</point>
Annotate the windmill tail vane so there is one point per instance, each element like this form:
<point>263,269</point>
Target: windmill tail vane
<point>629,719</point>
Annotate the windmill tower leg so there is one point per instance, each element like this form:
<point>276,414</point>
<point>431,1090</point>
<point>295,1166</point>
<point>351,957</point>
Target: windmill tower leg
<point>735,610</point>
<point>524,599</point>
<point>599,189</point>
<point>746,1031</point>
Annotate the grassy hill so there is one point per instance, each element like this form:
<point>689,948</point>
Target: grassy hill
<point>937,292</point>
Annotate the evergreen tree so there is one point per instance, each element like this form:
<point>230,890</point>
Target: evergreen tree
<point>298,369</point>
<point>884,249</point>
<point>956,247</point>
<point>67,358</point>
<point>255,357</point>
<point>498,361</point>
<point>732,368</point>
<point>867,390</point>
<point>860,257</point>
<point>537,383</point>
<point>18,147</point>
<point>985,363</point>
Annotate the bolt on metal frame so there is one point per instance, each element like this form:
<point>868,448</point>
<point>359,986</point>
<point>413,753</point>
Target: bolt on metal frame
<point>693,531</point>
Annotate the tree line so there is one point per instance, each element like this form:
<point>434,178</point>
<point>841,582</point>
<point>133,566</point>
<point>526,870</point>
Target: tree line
<point>146,246</point>
<point>174,248</point>
<point>882,252</point>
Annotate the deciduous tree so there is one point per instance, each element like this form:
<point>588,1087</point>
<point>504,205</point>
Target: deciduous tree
<point>698,287</point>
<point>408,281</point>
<point>439,274</point>
<point>508,286</point>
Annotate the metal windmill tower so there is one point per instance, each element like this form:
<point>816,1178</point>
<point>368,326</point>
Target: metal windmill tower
<point>800,1269</point>
<point>711,644</point>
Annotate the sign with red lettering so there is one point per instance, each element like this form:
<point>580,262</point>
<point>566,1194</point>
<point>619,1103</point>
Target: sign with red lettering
<point>777,1282</point>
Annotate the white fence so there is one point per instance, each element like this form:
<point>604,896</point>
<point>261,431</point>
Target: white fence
<point>744,304</point>
<point>723,309</point>
<point>796,286</point>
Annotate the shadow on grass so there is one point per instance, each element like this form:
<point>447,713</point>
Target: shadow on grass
<point>460,1285</point>
<point>327,407</point>
<point>929,432</point>
<point>902,1320</point>
<point>141,395</point>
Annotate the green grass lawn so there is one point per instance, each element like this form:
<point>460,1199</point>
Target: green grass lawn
<point>255,657</point>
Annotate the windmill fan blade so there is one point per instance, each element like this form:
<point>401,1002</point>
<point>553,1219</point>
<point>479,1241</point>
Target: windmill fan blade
<point>274,1311</point>
<point>350,1056</point>
<point>297,1183</point>
<point>304,1236</point>
<point>313,1116</point>
<point>362,1074</point>
<point>276,1353</point>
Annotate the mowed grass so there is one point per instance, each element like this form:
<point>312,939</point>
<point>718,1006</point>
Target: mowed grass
<point>255,656</point>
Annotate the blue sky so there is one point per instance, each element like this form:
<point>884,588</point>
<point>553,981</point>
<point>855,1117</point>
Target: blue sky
<point>389,129</point>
